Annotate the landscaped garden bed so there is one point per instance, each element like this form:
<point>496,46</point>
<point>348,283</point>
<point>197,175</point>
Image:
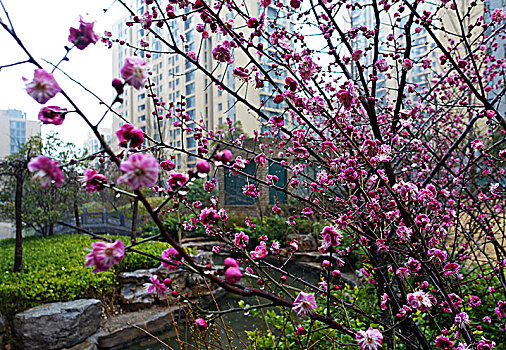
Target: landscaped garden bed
<point>54,270</point>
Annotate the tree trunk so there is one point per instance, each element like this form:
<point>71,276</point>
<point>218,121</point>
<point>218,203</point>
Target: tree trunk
<point>76,216</point>
<point>51,229</point>
<point>134,220</point>
<point>18,250</point>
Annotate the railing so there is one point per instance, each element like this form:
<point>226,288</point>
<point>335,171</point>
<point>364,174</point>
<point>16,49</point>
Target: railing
<point>97,222</point>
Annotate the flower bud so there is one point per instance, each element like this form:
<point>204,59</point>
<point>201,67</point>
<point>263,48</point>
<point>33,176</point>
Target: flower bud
<point>231,262</point>
<point>201,324</point>
<point>117,84</point>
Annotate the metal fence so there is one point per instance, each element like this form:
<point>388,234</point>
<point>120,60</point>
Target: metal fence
<point>98,222</point>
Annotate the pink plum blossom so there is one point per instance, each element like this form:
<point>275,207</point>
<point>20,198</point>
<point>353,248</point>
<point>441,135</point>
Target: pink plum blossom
<point>222,53</point>
<point>307,68</point>
<point>223,156</point>
<point>444,343</point>
<point>331,238</point>
<point>177,180</point>
<point>275,247</point>
<point>382,65</point>
<point>498,15</point>
<point>421,300</point>
<point>167,165</point>
<point>46,171</point>
<point>260,251</point>
<point>231,262</point>
<point>203,168</point>
<point>404,233</point>
<point>437,255</point>
<point>485,344</point>
<point>370,339</point>
<point>451,268</point>
<point>129,135</point>
<point>500,310</point>
<point>141,169</point>
<point>172,255</point>
<point>462,319</point>
<point>83,36</point>
<point>209,216</point>
<point>157,286</point>
<point>52,115</point>
<point>201,324</point>
<point>104,255</point>
<point>93,181</point>
<point>384,301</point>
<point>304,303</point>
<point>233,275</point>
<point>241,240</point>
<point>135,71</point>
<point>43,87</point>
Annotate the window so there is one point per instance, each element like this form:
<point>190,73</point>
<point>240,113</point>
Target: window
<point>191,114</point>
<point>234,185</point>
<point>275,195</point>
<point>190,89</point>
<point>189,36</point>
<point>17,135</point>
<point>190,76</point>
<point>141,107</point>
<point>142,118</point>
<point>141,97</point>
<point>190,102</point>
<point>220,106</point>
<point>190,142</point>
<point>188,23</point>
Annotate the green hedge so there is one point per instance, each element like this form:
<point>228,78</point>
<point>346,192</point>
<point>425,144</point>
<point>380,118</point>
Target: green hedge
<point>54,270</point>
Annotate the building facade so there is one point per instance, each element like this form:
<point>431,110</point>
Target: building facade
<point>175,81</point>
<point>423,46</point>
<point>15,130</point>
<point>498,85</point>
<point>92,145</point>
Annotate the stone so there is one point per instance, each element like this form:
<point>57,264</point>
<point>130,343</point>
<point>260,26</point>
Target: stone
<point>85,345</point>
<point>135,297</point>
<point>129,327</point>
<point>2,331</point>
<point>204,258</point>
<point>57,325</point>
<point>307,243</point>
<point>2,324</point>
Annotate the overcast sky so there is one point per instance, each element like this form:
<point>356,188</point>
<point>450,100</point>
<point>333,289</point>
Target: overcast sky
<point>43,26</point>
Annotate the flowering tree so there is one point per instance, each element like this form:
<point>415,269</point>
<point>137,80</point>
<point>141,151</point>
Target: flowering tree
<point>403,136</point>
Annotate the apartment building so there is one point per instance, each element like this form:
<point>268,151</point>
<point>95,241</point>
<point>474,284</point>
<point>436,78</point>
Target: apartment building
<point>499,84</point>
<point>175,77</point>
<point>15,130</point>
<point>92,145</point>
<point>422,44</point>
